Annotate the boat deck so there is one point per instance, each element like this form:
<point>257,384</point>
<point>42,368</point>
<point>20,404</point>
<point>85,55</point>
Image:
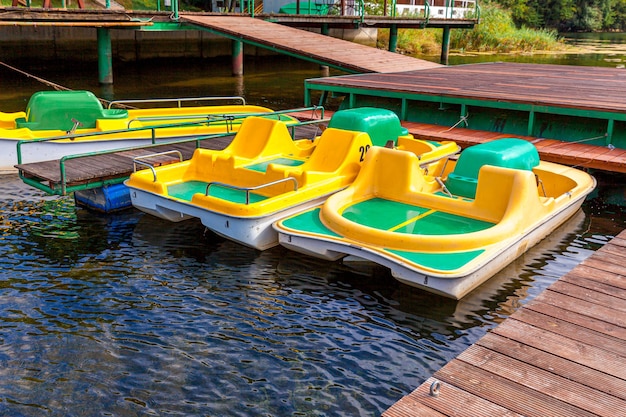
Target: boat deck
<point>561,354</point>
<point>186,190</point>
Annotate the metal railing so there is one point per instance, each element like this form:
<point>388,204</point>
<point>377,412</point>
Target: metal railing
<point>249,189</point>
<point>138,160</point>
<point>63,188</point>
<point>423,9</point>
<point>355,8</point>
<point>178,101</point>
<point>208,119</point>
<point>443,9</point>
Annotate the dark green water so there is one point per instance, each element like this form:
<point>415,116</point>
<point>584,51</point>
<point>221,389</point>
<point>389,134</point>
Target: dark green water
<point>128,315</point>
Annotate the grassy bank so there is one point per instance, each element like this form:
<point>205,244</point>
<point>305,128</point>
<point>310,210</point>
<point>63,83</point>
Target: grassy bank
<point>495,33</point>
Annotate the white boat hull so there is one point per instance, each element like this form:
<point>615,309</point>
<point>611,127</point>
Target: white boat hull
<point>449,286</point>
<point>255,232</point>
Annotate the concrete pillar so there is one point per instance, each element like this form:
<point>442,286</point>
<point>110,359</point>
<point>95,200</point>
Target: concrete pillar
<point>105,60</point>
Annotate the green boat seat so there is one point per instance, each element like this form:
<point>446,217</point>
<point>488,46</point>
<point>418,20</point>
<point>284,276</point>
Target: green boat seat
<point>60,110</point>
<point>507,153</point>
<point>381,125</point>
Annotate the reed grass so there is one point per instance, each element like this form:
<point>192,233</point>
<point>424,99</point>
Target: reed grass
<point>495,33</point>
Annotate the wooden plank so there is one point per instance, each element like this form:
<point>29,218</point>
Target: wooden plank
<point>612,264</point>
<point>611,257</point>
<point>577,277</point>
<point>557,365</point>
<point>544,382</point>
<point>592,323</point>
<point>504,392</point>
<point>587,156</point>
<point>549,149</point>
<point>574,326</point>
<point>114,165</point>
<point>605,278</point>
<point>617,242</point>
<point>610,301</point>
<point>575,351</point>
<point>568,303</point>
<point>110,165</point>
<point>451,401</point>
<point>612,249</point>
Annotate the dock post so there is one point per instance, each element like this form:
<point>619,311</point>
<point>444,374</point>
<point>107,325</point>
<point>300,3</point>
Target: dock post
<point>393,38</point>
<point>445,45</point>
<point>237,52</point>
<point>105,60</point>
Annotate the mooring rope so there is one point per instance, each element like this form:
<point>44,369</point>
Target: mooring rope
<point>57,87</point>
<point>590,139</point>
<point>585,163</point>
<point>463,119</point>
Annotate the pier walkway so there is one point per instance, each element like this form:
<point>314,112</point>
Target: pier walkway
<point>278,33</point>
<point>562,354</point>
<point>581,155</point>
<point>565,102</point>
<point>337,53</point>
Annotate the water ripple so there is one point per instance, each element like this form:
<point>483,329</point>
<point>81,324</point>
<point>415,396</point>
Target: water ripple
<point>127,315</point>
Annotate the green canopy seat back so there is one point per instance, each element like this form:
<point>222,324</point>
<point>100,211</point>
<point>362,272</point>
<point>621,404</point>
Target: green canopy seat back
<point>61,110</point>
<point>381,125</point>
<point>507,153</point>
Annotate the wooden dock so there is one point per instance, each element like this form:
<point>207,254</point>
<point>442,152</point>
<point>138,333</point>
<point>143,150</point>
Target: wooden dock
<point>275,32</point>
<point>341,54</point>
<point>93,171</point>
<point>562,354</point>
<point>568,87</point>
<point>569,103</point>
<point>579,155</point>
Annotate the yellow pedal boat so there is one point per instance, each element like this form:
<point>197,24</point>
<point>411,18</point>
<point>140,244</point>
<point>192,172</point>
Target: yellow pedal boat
<point>449,231</point>
<point>78,123</point>
<point>264,175</point>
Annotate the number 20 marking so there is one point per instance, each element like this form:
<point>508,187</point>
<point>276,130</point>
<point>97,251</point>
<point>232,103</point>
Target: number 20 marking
<point>363,150</point>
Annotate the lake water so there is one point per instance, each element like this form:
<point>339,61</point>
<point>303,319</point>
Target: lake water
<point>128,315</point>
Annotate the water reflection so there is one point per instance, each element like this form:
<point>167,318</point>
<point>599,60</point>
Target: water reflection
<point>127,314</point>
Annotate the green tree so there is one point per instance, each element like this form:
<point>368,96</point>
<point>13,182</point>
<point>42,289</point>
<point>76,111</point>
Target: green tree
<point>619,15</point>
<point>567,15</point>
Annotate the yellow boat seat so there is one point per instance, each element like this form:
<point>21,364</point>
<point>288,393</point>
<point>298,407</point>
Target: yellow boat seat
<point>259,138</point>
